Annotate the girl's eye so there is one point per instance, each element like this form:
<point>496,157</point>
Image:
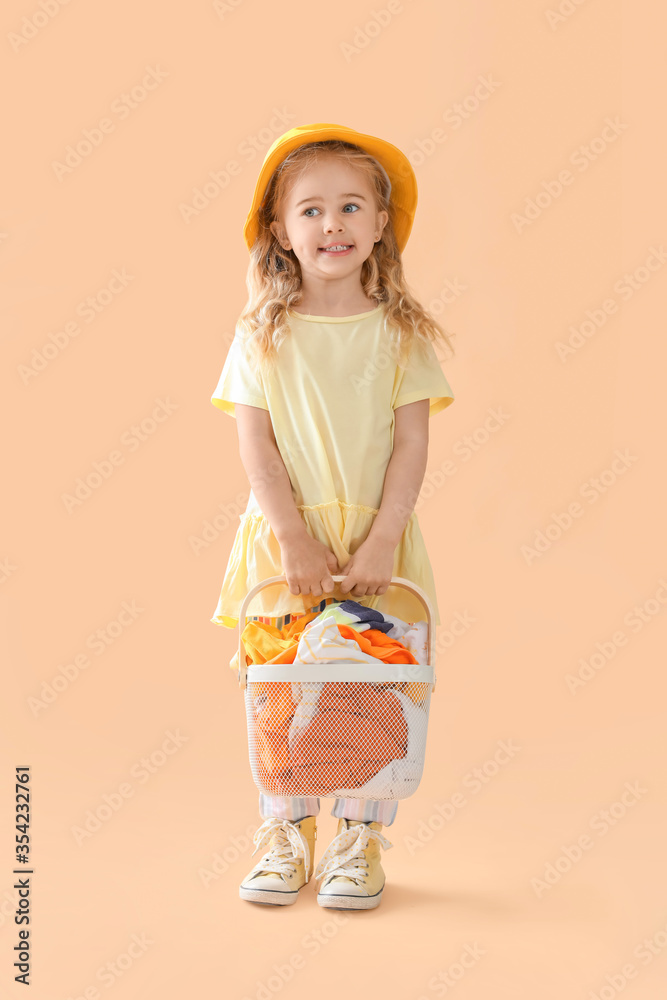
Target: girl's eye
<point>350,204</point>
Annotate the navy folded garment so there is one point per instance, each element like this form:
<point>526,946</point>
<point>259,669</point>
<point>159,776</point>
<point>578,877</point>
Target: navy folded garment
<point>364,614</point>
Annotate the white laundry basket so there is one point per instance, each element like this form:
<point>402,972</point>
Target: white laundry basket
<point>339,728</point>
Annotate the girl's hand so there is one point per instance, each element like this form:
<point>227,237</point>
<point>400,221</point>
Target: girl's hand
<point>308,565</point>
<point>369,570</point>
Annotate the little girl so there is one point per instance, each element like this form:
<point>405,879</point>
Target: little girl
<point>332,377</point>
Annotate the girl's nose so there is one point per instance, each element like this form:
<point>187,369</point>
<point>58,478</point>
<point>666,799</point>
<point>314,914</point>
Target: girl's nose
<point>331,224</point>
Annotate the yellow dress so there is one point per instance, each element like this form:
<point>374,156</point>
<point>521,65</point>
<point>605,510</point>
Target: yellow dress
<point>331,399</point>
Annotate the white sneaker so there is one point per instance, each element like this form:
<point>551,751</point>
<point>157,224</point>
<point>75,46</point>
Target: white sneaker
<point>286,866</point>
<point>352,875</point>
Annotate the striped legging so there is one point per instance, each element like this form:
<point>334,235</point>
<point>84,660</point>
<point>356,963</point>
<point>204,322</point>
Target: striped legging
<point>295,807</point>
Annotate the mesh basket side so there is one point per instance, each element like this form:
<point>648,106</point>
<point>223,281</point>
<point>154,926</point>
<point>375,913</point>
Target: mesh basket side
<point>353,739</point>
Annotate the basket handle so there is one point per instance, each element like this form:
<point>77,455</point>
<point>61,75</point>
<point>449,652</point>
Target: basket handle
<point>397,581</point>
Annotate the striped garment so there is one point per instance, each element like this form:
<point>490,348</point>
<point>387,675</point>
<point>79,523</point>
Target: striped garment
<point>295,807</point>
<point>286,619</point>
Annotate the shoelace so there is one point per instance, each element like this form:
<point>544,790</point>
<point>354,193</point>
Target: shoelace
<point>340,858</point>
<point>290,845</point>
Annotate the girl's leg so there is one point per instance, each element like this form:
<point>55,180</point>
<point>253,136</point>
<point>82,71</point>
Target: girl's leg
<point>368,810</point>
<point>293,807</point>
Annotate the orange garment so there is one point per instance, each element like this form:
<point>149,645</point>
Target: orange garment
<point>265,643</point>
<point>270,723</point>
<point>357,731</point>
<point>272,757</point>
<point>379,644</point>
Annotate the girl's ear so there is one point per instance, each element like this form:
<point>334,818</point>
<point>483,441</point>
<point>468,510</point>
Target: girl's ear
<point>279,234</point>
<point>382,220</point>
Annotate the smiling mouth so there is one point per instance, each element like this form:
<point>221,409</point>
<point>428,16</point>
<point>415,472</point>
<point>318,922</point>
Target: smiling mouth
<point>338,248</point>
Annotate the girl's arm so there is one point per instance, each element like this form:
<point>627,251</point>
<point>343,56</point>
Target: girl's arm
<point>369,569</point>
<point>405,472</point>
<point>307,562</point>
<point>266,471</point>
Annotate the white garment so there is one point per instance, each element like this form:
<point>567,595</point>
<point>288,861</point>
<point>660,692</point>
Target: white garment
<point>305,695</point>
<point>414,635</point>
<point>320,641</point>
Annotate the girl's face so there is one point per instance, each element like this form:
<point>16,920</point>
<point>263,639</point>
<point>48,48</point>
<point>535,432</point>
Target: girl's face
<point>332,204</point>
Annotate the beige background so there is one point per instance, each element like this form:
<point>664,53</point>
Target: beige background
<point>466,885</point>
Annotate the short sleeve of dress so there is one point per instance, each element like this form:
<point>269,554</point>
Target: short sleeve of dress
<point>240,381</point>
<point>423,379</point>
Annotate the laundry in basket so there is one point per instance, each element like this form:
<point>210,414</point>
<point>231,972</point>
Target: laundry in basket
<point>353,726</point>
<point>329,638</point>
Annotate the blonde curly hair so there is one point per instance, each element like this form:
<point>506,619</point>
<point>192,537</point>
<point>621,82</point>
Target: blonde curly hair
<point>274,274</point>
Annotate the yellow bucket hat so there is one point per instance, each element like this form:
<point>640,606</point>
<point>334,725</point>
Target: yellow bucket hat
<point>395,163</point>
